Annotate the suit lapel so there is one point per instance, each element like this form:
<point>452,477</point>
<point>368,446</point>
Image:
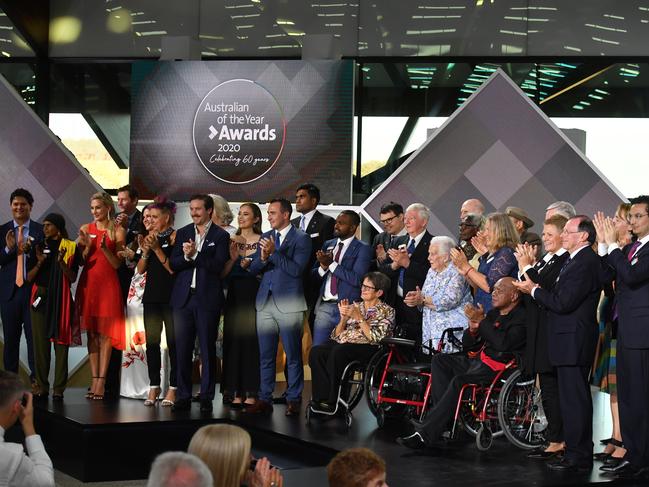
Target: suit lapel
<point>313,224</point>
<point>351,251</point>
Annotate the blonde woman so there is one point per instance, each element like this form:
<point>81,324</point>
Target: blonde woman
<point>225,449</point>
<point>99,304</point>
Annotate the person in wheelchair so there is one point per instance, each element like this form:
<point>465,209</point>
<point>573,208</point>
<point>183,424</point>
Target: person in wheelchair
<point>356,337</point>
<point>490,342</point>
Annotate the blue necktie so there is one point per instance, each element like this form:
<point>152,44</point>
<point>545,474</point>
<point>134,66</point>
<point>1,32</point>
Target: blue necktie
<point>410,250</point>
<point>277,245</point>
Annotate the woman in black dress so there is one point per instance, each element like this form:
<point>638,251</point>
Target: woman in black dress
<point>240,381</point>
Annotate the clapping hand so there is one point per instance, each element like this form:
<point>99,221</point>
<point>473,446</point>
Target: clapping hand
<point>267,247</point>
<point>525,286</point>
<point>605,229</point>
<point>10,239</point>
<point>381,254</point>
<point>234,250</point>
<point>60,257</point>
<point>121,220</point>
<point>458,257</point>
<point>344,308</point>
<point>475,314</point>
<point>189,248</point>
<point>265,475</point>
<point>525,255</point>
<point>324,258</point>
<point>399,256</point>
<point>414,298</point>
<point>153,241</point>
<point>479,242</point>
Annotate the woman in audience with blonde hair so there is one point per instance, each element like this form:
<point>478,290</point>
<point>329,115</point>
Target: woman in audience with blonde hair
<point>225,449</point>
<point>99,305</point>
<point>222,214</point>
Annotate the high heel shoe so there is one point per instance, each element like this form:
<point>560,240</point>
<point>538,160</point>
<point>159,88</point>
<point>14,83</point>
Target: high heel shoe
<point>90,394</point>
<point>166,402</point>
<point>99,397</point>
<point>151,402</point>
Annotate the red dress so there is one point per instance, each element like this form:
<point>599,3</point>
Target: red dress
<point>99,303</point>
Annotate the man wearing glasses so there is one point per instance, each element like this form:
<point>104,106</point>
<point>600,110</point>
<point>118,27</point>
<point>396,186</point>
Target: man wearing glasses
<point>391,219</point>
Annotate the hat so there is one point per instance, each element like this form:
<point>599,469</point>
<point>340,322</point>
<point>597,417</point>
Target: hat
<point>519,214</point>
<point>57,220</point>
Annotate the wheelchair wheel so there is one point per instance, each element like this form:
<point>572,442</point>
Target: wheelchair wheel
<point>372,379</point>
<point>353,384</point>
<point>484,438</point>
<point>520,412</point>
<point>468,421</point>
<point>348,419</point>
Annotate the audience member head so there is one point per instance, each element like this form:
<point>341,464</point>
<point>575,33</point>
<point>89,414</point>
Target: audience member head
<point>54,226</point>
<point>356,467</point>
<point>551,236</point>
<point>249,217</point>
<point>416,219</point>
<point>12,391</point>
<point>146,219</point>
<point>222,214</point>
<point>307,197</point>
<point>179,469</point>
<point>439,252</point>
<point>225,449</point>
<point>375,286</point>
<point>279,213</point>
<point>578,232</point>
<point>391,217</point>
<point>639,216</point>
<point>102,206</point>
<point>127,199</point>
<point>201,208</point>
<point>562,208</point>
<point>161,213</point>
<point>505,296</point>
<point>346,224</point>
<point>519,218</point>
<point>500,232</point>
<point>21,202</point>
<point>473,205</point>
<point>471,224</point>
<point>622,224</point>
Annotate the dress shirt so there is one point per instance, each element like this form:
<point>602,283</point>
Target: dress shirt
<point>547,257</point>
<point>642,241</point>
<point>198,240</point>
<point>307,219</point>
<point>332,267</point>
<point>18,469</point>
<point>572,256</point>
<point>25,238</point>
<point>417,239</point>
<point>283,233</point>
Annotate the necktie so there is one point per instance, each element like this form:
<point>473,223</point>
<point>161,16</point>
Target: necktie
<point>334,280</point>
<point>20,259</point>
<point>633,249</point>
<point>277,242</point>
<point>402,272</point>
<point>302,222</point>
<point>563,268</point>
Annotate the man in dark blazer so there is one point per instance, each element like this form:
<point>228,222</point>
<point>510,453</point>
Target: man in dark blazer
<point>281,257</point>
<point>572,335</point>
<point>199,254</point>
<point>340,267</point>
<point>407,267</point>
<point>631,267</point>
<point>21,235</point>
<point>391,219</point>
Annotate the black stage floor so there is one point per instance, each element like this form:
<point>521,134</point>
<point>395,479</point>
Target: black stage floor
<point>95,441</point>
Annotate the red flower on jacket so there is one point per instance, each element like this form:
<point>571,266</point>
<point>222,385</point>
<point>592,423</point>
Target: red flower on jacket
<point>139,338</point>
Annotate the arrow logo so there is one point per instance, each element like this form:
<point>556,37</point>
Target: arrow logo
<point>213,132</point>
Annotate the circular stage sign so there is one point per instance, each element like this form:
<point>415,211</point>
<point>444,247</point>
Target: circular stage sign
<point>239,131</point>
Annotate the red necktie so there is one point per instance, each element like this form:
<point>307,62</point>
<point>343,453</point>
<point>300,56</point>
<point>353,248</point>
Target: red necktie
<point>632,250</point>
<point>334,279</point>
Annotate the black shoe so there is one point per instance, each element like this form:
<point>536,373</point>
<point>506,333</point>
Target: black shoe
<point>415,441</point>
<point>566,465</point>
<point>181,405</point>
<point>206,406</point>
<point>612,461</point>
<point>602,457</point>
<point>236,405</point>
<point>197,397</point>
<point>615,467</point>
<point>540,453</point>
<point>634,473</point>
<point>605,441</point>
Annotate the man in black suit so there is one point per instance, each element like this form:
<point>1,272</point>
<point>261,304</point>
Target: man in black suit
<point>572,335</point>
<point>631,266</point>
<point>21,235</point>
<point>199,254</point>
<point>408,265</point>
<point>391,218</point>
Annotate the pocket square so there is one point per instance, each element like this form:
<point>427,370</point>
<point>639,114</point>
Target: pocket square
<point>211,244</point>
<point>314,235</point>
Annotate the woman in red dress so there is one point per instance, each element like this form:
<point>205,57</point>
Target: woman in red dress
<point>99,304</point>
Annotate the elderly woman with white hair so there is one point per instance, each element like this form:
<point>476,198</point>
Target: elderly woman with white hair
<point>443,296</point>
<point>222,214</point>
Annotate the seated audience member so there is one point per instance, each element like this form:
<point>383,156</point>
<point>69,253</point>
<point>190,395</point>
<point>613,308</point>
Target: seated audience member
<point>492,340</point>
<point>361,327</point>
<point>470,225</point>
<point>179,469</point>
<point>340,267</point>
<point>443,296</point>
<point>522,223</point>
<point>391,219</point>
<point>472,206</point>
<point>17,468</point>
<point>562,208</point>
<point>496,246</point>
<point>356,467</point>
<point>225,449</point>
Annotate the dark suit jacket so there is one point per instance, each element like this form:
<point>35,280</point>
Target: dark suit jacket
<point>282,274</point>
<point>208,264</point>
<point>536,357</point>
<point>125,273</point>
<point>384,239</point>
<point>349,272</point>
<point>632,291</point>
<point>8,260</point>
<point>572,310</point>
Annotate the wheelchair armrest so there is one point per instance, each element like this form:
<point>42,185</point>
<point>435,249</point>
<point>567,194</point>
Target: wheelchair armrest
<point>402,342</point>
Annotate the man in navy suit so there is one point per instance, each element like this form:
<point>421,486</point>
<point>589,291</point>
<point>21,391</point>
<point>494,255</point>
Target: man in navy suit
<point>572,336</point>
<point>281,257</point>
<point>341,265</point>
<point>631,266</point>
<point>199,254</point>
<point>21,235</point>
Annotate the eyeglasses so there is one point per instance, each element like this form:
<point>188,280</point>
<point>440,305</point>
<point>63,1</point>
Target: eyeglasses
<point>365,287</point>
<point>569,232</point>
<point>387,221</point>
<point>464,224</point>
<point>636,216</point>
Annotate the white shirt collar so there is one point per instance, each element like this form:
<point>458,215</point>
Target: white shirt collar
<point>572,255</point>
<point>644,240</point>
<point>307,218</point>
<point>417,239</point>
<point>558,253</point>
<point>284,232</point>
<point>345,242</point>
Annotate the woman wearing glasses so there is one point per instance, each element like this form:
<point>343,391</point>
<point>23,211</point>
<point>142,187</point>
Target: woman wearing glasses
<point>360,329</point>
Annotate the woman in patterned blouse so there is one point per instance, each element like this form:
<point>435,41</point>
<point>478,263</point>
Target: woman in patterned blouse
<point>356,337</point>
